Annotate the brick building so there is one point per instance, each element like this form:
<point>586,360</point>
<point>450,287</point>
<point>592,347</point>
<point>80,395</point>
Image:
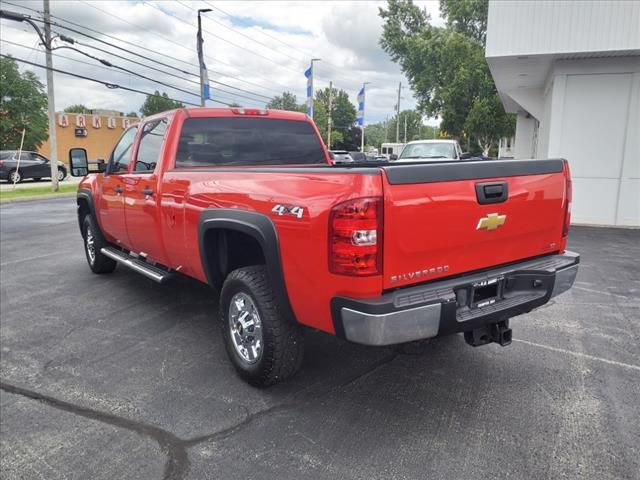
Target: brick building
<point>97,132</point>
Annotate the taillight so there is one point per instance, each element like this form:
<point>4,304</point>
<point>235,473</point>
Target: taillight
<point>1,162</point>
<point>355,237</point>
<point>569,197</point>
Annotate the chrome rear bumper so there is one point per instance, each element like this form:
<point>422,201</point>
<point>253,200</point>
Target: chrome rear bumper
<point>443,307</point>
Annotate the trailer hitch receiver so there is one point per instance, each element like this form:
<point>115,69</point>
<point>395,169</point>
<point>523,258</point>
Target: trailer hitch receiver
<point>495,332</point>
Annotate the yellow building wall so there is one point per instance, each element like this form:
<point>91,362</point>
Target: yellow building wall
<point>99,142</point>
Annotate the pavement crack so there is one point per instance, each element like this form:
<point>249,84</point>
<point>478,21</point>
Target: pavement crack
<point>246,421</point>
<point>177,464</point>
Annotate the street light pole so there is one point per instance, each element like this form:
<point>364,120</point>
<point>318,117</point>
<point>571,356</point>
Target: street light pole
<point>311,83</point>
<point>51,104</point>
<point>364,106</point>
<point>203,72</point>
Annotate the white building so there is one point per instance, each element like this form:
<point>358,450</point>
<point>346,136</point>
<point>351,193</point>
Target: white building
<point>571,72</point>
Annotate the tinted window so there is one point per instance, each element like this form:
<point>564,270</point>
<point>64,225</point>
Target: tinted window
<point>150,145</point>
<point>121,155</point>
<point>247,141</point>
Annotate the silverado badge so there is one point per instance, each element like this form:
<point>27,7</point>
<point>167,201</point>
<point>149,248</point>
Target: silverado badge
<point>491,222</point>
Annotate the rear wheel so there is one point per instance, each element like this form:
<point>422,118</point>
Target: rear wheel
<point>62,174</point>
<point>93,243</point>
<point>15,176</point>
<point>264,346</point>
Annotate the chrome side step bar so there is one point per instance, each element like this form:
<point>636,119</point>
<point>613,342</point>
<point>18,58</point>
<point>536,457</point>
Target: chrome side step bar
<point>153,272</point>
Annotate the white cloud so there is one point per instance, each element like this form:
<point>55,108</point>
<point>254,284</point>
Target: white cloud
<point>262,47</point>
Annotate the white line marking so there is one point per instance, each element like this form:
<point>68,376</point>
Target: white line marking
<point>28,259</point>
<point>600,292</point>
<point>578,354</point>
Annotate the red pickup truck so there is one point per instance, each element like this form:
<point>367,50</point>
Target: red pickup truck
<point>247,201</point>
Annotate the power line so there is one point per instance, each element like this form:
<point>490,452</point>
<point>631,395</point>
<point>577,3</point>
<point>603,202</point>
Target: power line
<point>146,57</point>
<point>241,34</point>
<point>95,80</point>
<point>145,65</point>
<point>275,62</point>
<point>232,95</point>
<point>309,53</point>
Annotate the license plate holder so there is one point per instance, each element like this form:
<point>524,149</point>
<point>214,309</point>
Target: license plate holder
<point>486,292</point>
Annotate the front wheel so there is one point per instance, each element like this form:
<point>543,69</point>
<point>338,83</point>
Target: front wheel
<point>264,346</point>
<point>15,176</point>
<point>93,243</point>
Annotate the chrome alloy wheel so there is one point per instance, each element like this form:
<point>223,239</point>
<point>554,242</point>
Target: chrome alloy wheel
<point>91,247</point>
<point>246,328</point>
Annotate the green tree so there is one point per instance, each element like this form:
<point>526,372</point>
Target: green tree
<point>343,117</point>
<point>23,104</point>
<point>286,101</point>
<point>468,17</point>
<point>414,123</point>
<point>158,102</point>
<point>77,108</point>
<point>132,114</point>
<point>446,66</point>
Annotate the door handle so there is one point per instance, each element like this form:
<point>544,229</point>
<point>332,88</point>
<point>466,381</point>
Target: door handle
<point>118,190</point>
<point>147,191</point>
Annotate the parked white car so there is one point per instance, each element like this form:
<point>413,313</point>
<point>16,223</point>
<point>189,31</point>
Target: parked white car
<point>432,150</point>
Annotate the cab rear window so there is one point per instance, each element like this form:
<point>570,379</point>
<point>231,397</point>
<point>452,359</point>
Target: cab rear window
<point>206,142</point>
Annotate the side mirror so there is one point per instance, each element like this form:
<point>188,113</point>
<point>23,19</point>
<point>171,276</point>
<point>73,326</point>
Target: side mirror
<point>393,156</point>
<point>78,162</point>
<point>465,156</point>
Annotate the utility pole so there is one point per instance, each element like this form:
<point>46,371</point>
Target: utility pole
<point>386,129</point>
<point>203,70</point>
<point>398,113</point>
<point>405,129</point>
<point>330,113</point>
<point>53,141</point>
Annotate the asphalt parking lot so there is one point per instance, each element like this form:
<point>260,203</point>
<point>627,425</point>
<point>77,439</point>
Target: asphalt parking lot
<point>107,377</point>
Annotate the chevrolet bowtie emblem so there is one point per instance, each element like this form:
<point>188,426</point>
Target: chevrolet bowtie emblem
<point>491,222</point>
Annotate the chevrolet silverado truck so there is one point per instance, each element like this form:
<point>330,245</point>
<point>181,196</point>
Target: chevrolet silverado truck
<point>247,201</point>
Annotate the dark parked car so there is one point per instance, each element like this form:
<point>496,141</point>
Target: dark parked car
<point>32,165</point>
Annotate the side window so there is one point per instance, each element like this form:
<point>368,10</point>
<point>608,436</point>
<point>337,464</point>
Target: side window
<point>150,145</point>
<point>119,161</point>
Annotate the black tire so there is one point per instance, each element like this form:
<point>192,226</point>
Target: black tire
<point>11,176</point>
<point>282,340</point>
<point>98,263</point>
<point>62,174</point>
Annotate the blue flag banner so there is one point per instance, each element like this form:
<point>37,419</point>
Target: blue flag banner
<point>360,116</point>
<point>207,87</point>
<point>309,75</point>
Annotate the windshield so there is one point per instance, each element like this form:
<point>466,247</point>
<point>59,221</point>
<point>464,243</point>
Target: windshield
<point>428,150</point>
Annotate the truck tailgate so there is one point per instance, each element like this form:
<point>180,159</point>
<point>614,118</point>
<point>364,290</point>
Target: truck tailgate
<point>437,221</point>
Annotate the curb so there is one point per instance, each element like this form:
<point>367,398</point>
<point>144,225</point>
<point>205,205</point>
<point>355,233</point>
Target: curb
<point>31,198</point>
